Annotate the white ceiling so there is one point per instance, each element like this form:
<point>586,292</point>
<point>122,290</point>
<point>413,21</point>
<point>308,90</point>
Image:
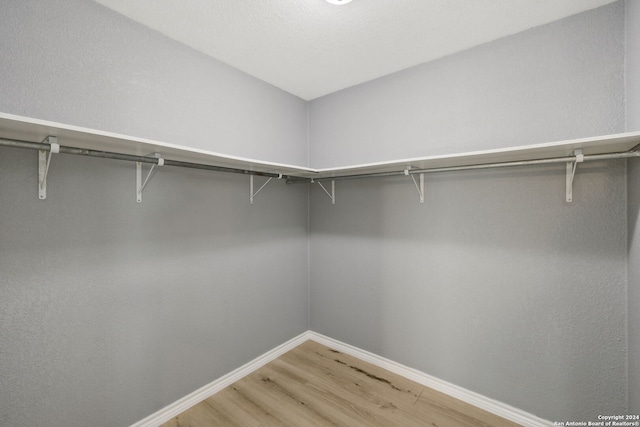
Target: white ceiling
<point>311,48</point>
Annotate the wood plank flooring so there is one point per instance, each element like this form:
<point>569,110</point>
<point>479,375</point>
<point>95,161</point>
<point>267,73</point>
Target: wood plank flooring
<point>313,385</point>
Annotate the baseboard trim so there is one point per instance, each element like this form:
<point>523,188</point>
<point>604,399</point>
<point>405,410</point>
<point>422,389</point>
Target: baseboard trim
<point>167,413</point>
<point>495,407</point>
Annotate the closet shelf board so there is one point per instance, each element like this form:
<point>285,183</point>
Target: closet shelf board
<point>35,130</point>
<point>605,144</point>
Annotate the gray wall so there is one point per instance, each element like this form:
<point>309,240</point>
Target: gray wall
<point>539,86</point>
<point>110,309</point>
<point>633,185</point>
<point>78,62</point>
<point>495,283</point>
<point>633,180</point>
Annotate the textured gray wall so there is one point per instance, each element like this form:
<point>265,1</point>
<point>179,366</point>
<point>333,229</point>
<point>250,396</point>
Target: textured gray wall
<point>541,85</point>
<point>110,309</point>
<point>80,63</point>
<point>495,283</point>
<point>632,30</point>
<point>633,187</point>
<point>633,184</point>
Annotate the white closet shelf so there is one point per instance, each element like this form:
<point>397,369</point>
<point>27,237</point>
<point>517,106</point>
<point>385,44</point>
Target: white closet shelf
<point>606,144</point>
<point>34,130</point>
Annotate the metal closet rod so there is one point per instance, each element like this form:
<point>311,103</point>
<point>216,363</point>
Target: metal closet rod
<point>294,179</point>
<point>131,158</point>
<point>589,157</point>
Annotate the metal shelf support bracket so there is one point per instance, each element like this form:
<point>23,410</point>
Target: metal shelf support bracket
<point>571,172</point>
<point>331,195</point>
<point>419,187</point>
<point>252,195</point>
<point>141,184</point>
<point>44,162</point>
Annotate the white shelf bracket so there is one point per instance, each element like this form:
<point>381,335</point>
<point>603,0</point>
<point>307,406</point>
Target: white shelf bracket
<point>140,185</point>
<point>331,195</point>
<point>44,162</point>
<point>571,172</point>
<point>419,187</point>
<point>252,195</point>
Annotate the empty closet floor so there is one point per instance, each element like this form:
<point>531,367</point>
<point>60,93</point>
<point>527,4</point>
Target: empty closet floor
<point>313,385</point>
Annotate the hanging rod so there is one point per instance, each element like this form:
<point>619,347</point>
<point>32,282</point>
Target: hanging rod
<point>130,158</point>
<point>590,157</point>
<point>295,179</point>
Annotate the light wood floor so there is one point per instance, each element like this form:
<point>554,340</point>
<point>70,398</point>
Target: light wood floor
<point>313,385</point>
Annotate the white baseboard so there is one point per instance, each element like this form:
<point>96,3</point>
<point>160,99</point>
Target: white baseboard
<point>167,413</point>
<point>498,408</point>
<point>489,405</point>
